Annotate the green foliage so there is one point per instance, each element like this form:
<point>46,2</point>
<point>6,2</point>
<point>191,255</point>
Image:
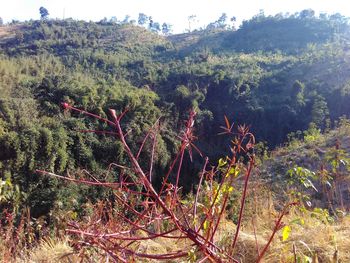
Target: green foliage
<point>312,133</point>
<point>319,111</point>
<point>43,13</point>
<point>298,93</point>
<point>303,176</point>
<point>288,77</point>
<point>300,180</point>
<point>289,33</point>
<point>10,195</point>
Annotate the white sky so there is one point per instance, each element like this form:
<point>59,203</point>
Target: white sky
<point>174,12</point>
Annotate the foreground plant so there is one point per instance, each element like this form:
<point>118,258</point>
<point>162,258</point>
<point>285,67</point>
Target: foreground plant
<point>142,213</point>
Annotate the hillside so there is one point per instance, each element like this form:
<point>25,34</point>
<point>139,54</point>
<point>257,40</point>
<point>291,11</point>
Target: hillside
<point>319,160</point>
<point>97,66</point>
<point>285,77</point>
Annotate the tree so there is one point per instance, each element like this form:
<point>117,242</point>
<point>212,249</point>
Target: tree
<point>220,23</point>
<point>114,20</point>
<point>155,27</point>
<point>298,93</point>
<point>142,20</point>
<point>233,20</point>
<point>166,29</point>
<point>323,16</point>
<point>150,22</point>
<point>191,19</point>
<point>307,13</point>
<point>126,19</point>
<point>44,13</point>
<point>319,111</point>
<point>103,21</point>
<point>222,20</point>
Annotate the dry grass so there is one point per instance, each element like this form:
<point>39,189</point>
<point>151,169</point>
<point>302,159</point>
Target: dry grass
<point>313,238</point>
<point>329,242</point>
<point>49,251</point>
<point>7,32</point>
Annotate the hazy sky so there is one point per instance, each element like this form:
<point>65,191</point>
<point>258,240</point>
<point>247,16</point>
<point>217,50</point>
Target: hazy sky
<point>174,12</point>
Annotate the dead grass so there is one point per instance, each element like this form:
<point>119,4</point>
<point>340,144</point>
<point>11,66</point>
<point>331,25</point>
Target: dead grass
<point>326,242</point>
<point>7,32</point>
<point>313,238</point>
<point>50,251</point>
<point>329,242</point>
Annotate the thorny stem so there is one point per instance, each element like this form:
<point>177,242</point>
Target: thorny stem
<point>276,228</point>
<point>178,175</point>
<point>138,169</point>
<point>163,256</point>
<point>236,149</point>
<point>110,185</point>
<point>152,157</point>
<point>220,216</point>
<point>244,196</point>
<point>165,180</point>
<point>156,201</point>
<point>67,106</point>
<point>123,237</point>
<point>146,137</point>
<point>198,191</point>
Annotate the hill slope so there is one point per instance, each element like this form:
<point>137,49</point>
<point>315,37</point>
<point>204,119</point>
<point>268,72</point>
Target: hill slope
<point>276,74</point>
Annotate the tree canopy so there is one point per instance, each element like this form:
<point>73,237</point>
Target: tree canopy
<point>44,13</point>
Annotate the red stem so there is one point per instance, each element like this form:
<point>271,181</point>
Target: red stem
<point>244,196</point>
<point>198,191</point>
<point>152,157</point>
<point>91,115</point>
<point>178,174</point>
<point>276,228</point>
<point>143,179</point>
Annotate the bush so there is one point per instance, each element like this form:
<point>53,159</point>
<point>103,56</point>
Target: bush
<point>140,212</point>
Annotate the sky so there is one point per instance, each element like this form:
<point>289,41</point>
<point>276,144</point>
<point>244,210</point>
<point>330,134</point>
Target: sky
<point>175,12</point>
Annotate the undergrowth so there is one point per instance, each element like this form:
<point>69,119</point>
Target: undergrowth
<point>226,218</point>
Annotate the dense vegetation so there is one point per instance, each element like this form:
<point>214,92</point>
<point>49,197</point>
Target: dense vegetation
<point>277,74</point>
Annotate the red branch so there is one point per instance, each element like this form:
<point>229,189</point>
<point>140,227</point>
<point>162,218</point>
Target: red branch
<point>145,209</point>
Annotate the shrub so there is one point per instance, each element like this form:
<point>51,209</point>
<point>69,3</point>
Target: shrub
<point>141,213</point>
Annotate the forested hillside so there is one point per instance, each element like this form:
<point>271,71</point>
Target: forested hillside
<point>276,74</point>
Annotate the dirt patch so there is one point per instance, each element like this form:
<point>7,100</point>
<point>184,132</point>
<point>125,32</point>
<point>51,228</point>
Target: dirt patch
<point>7,32</point>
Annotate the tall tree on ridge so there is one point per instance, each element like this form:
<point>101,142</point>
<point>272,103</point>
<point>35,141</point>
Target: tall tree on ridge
<point>44,13</point>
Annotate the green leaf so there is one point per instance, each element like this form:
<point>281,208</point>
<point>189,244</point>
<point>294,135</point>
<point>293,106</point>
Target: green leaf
<point>286,232</point>
<point>299,221</point>
<point>205,225</point>
<point>233,171</point>
<point>222,162</point>
<point>192,255</point>
<point>307,259</point>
